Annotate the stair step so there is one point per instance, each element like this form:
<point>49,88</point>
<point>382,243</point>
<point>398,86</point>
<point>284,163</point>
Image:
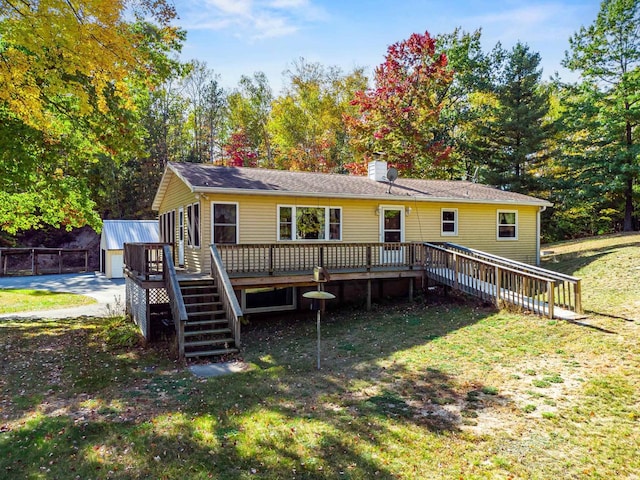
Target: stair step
<point>212,342</point>
<point>198,287</point>
<point>199,281</point>
<point>211,353</point>
<point>203,314</point>
<point>213,331</point>
<point>201,294</point>
<point>214,321</point>
<point>202,304</point>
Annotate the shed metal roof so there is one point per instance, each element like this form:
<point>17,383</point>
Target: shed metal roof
<point>207,178</point>
<point>115,233</point>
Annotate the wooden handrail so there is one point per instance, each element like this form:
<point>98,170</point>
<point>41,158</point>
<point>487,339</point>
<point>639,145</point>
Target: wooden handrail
<point>144,259</point>
<point>490,279</point>
<point>274,259</point>
<point>513,263</point>
<point>176,302</point>
<point>564,284</point>
<point>228,297</point>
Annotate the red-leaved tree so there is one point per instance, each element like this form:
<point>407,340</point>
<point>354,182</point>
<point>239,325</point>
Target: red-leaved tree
<point>400,114</point>
<point>238,151</point>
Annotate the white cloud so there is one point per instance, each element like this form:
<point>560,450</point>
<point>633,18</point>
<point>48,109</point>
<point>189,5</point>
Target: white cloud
<point>288,3</point>
<point>251,19</point>
<point>541,22</point>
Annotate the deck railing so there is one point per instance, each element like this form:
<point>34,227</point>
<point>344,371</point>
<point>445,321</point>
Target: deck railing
<point>178,309</point>
<point>145,260</point>
<point>493,279</point>
<point>287,258</point>
<point>567,292</point>
<point>230,304</point>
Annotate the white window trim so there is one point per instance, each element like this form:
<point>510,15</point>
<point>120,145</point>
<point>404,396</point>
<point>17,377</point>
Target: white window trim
<point>506,239</point>
<point>213,224</point>
<point>190,224</point>
<point>188,217</point>
<point>381,209</point>
<point>294,229</point>
<point>277,308</point>
<point>455,222</point>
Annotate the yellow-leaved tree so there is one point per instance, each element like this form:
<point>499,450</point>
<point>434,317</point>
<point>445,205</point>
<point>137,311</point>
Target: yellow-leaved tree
<point>70,74</point>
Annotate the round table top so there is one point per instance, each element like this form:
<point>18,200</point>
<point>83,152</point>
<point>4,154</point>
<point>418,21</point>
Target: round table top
<point>319,295</point>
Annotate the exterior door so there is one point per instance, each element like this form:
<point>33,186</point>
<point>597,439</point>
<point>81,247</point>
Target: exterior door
<point>392,231</point>
<point>181,237</point>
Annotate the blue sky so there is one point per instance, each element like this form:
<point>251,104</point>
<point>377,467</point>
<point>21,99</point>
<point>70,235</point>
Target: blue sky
<point>240,37</point>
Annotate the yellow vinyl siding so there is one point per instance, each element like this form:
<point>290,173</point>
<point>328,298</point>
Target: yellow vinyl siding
<point>258,221</point>
<point>179,195</point>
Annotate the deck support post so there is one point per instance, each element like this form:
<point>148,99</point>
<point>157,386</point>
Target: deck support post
<point>550,297</point>
<point>368,294</point>
<point>411,289</point>
<point>498,286</point>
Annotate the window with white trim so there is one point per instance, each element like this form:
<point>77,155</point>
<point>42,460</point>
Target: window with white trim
<point>309,223</point>
<point>268,299</point>
<point>224,220</point>
<point>449,222</point>
<point>193,225</point>
<point>507,225</point>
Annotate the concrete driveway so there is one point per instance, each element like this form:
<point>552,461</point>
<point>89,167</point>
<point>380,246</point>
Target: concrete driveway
<point>109,293</point>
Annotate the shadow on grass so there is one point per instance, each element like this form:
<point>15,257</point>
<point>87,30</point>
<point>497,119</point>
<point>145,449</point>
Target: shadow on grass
<point>569,263</point>
<point>609,315</point>
<point>94,412</point>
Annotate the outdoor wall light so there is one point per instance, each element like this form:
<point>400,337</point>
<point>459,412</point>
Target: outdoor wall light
<point>408,211</point>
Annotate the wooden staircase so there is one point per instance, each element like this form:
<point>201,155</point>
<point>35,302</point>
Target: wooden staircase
<point>207,332</point>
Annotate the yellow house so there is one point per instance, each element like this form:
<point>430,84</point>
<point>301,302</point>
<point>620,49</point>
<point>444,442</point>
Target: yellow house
<point>260,239</point>
<point>200,204</point>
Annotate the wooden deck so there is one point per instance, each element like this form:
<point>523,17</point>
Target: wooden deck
<point>260,264</point>
<point>238,267</point>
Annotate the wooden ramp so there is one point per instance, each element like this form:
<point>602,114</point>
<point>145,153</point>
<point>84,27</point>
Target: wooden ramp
<point>502,281</point>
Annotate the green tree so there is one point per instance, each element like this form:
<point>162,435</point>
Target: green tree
<point>70,79</point>
<point>604,111</point>
<point>516,130</point>
<point>249,110</point>
<point>206,112</point>
<point>307,123</point>
<point>465,108</point>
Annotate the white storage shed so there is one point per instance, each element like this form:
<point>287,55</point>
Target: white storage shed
<point>115,233</point>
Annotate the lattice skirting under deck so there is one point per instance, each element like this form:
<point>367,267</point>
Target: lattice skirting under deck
<point>138,300</point>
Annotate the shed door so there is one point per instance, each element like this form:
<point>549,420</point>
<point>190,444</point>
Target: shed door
<point>392,234</point>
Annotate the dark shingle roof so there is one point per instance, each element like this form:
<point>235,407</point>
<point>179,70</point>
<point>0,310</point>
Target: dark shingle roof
<point>210,178</point>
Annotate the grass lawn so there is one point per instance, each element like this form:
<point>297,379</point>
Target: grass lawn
<point>20,300</point>
<point>442,389</point>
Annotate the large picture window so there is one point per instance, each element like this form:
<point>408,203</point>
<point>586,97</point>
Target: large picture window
<point>309,223</point>
<point>225,222</point>
<point>507,225</point>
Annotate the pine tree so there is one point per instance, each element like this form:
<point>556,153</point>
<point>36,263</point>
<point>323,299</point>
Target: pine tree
<point>516,130</point>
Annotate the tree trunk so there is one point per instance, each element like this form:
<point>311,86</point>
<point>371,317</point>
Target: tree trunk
<point>628,194</point>
<point>628,206</point>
